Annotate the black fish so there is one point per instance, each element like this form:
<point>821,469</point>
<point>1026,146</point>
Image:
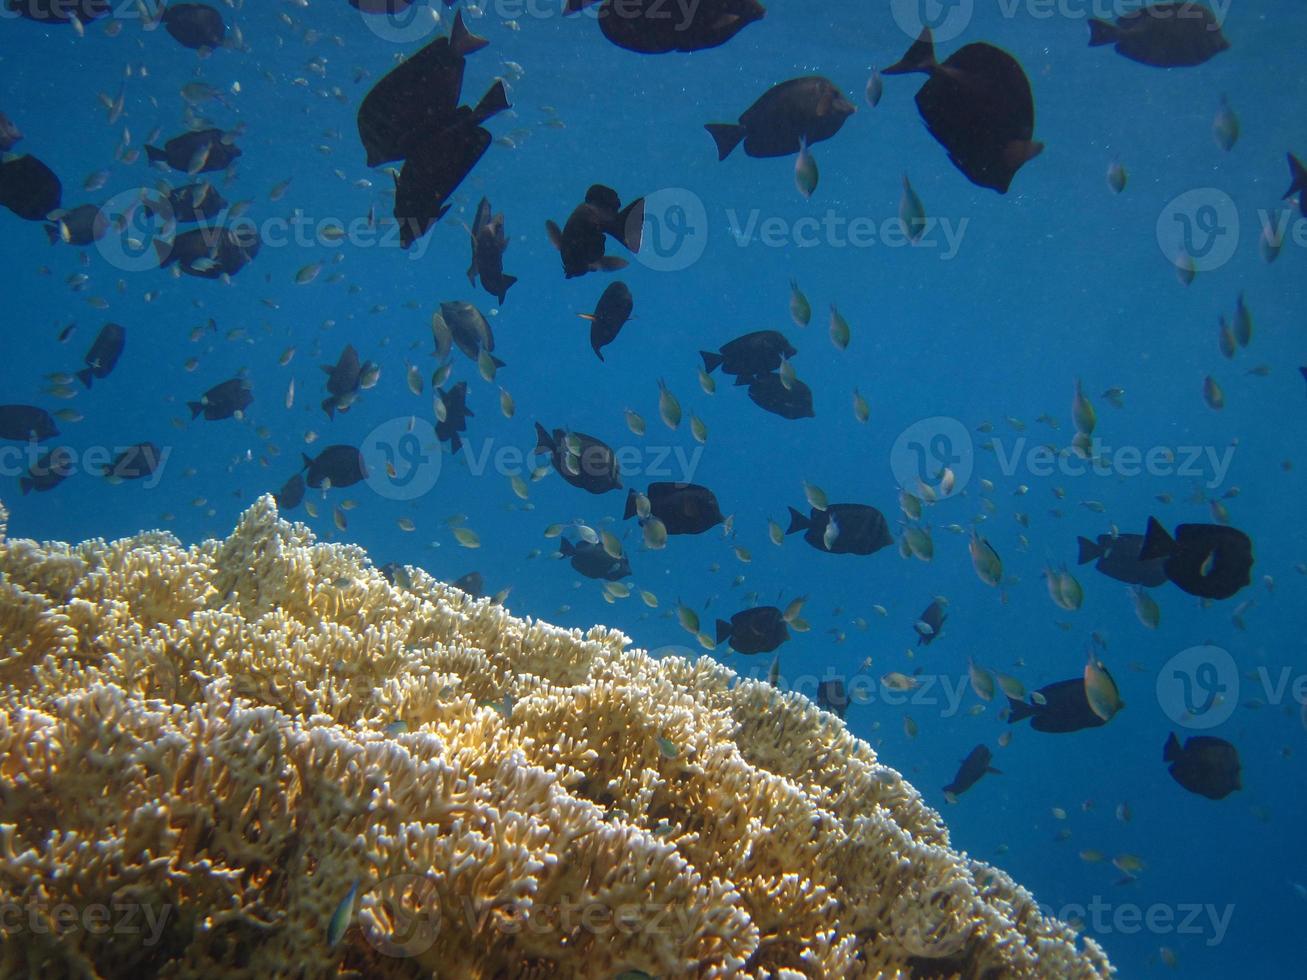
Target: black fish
<point>384,6</point>
<point>978,106</point>
<point>104,353</point>
<point>975,765</point>
<point>438,162</point>
<point>194,25</point>
<point>1207,560</point>
<point>1165,35</point>
<point>456,415</point>
<point>336,466</point>
<point>610,315</point>
<point>1065,708</point>
<point>417,97</point>
<point>808,109</point>
<point>134,463</point>
<point>592,561</point>
<point>1298,183</point>
<point>60,11</point>
<point>9,133</point>
<point>49,471</point>
<point>862,529</point>
<point>223,401</point>
<point>472,583</point>
<point>684,508</point>
<point>581,460</point>
<point>931,622</point>
<point>212,252</point>
<point>189,203</point>
<point>488,245</point>
<point>199,152</point>
<point>342,381</point>
<point>83,225</point>
<point>832,696</point>
<point>654,27</point>
<point>770,393</point>
<point>29,188</point>
<point>758,630</point>
<point>25,423</point>
<point>580,242</point>
<point>751,356</point>
<point>1118,558</point>
<point>291,493</point>
<point>1206,765</point>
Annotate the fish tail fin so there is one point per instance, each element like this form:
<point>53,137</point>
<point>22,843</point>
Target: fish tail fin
<point>594,346</point>
<point>1171,750</point>
<point>1102,32</point>
<point>555,234</point>
<point>1018,710</point>
<point>155,154</point>
<point>1157,542</point>
<point>723,631</point>
<point>85,376</point>
<point>1089,551</point>
<point>629,512</point>
<point>629,229</point>
<point>919,57</point>
<point>727,136</point>
<point>992,771</point>
<point>329,406</point>
<point>1298,176</point>
<point>544,441</point>
<point>711,361</point>
<point>798,522</point>
<point>307,462</point>
<point>196,408</point>
<point>455,443</point>
<point>25,485</point>
<point>506,282</point>
<point>494,101</point>
<point>463,41</point>
<point>163,251</point>
<point>52,232</point>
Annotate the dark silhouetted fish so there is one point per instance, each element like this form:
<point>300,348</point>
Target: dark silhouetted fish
<point>807,109</point>
<point>60,11</point>
<point>1065,708</point>
<point>1118,558</point>
<point>758,630</point>
<point>1298,183</point>
<point>580,242</point>
<point>101,359</point>
<point>581,460</point>
<point>472,583</point>
<point>342,381</point>
<point>978,106</point>
<point>860,529</point>
<point>488,245</point>
<point>770,393</point>
<point>592,561</point>
<point>50,470</point>
<point>751,356</point>
<point>1207,560</point>
<point>134,463</point>
<point>1165,35</point>
<point>194,25</point>
<point>930,624</point>
<point>437,163</point>
<point>291,493</point>
<point>1206,765</point>
<point>684,508</point>
<point>657,26</point>
<point>336,466</point>
<point>29,188</point>
<point>975,765</point>
<point>417,97</point>
<point>223,401</point>
<point>210,252</point>
<point>384,6</point>
<point>832,696</point>
<point>25,423</point>
<point>610,315</point>
<point>9,133</point>
<point>456,413</point>
<point>189,204</point>
<point>201,151</point>
<point>80,226</point>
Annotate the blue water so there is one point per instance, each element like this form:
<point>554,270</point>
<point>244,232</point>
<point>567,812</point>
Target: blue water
<point>1057,280</point>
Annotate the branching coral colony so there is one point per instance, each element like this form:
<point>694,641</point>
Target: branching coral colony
<point>258,758</point>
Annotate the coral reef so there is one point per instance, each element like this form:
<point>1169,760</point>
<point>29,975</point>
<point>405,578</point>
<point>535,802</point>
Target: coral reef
<point>278,764</point>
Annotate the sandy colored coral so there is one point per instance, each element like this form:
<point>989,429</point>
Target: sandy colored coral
<point>208,739</point>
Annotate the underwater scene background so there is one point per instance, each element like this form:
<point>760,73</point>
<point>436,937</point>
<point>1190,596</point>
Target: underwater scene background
<point>968,346</point>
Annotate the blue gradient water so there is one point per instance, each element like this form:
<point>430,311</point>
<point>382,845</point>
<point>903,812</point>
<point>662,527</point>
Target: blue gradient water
<point>1057,280</point>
